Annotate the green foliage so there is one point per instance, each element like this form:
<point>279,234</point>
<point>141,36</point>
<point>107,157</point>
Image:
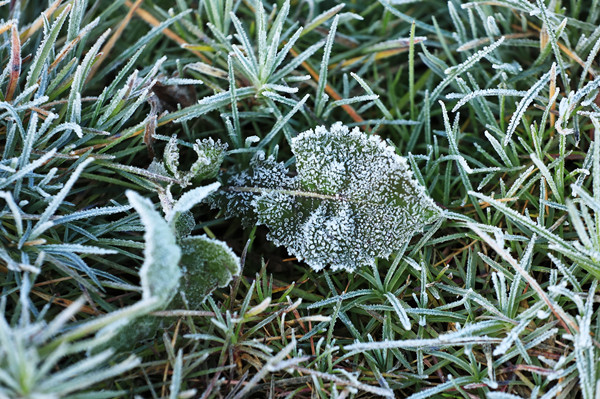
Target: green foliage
<point>40,359</point>
<point>493,106</point>
<point>50,127</point>
<point>206,263</point>
<point>28,365</point>
<point>176,264</point>
<point>210,156</point>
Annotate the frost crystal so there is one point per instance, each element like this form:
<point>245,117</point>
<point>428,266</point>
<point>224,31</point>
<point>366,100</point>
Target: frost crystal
<point>352,200</point>
<point>264,173</point>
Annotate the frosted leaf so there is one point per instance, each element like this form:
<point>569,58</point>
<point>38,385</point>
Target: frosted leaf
<point>210,156</point>
<point>183,224</point>
<point>192,265</point>
<point>352,200</point>
<point>158,168</point>
<point>140,329</point>
<point>160,273</point>
<point>207,264</point>
<point>171,156</point>
<point>179,216</point>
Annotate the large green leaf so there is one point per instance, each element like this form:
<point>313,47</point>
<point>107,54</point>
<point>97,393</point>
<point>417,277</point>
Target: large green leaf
<point>352,200</point>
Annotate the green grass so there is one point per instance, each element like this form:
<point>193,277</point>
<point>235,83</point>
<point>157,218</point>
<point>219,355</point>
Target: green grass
<point>494,105</point>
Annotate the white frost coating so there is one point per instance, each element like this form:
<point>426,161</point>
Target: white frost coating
<point>353,199</point>
<point>160,273</point>
<point>188,200</point>
<point>264,173</point>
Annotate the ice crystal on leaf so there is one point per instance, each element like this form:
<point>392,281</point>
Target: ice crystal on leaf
<point>263,173</point>
<point>353,199</point>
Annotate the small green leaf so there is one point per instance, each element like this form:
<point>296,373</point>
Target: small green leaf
<point>207,264</point>
<point>171,156</point>
<point>160,273</point>
<point>188,200</point>
<point>210,157</point>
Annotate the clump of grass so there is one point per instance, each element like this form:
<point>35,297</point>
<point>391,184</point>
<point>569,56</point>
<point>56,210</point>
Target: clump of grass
<point>493,104</point>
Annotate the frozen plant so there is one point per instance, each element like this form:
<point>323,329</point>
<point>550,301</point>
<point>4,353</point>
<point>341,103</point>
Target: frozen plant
<point>180,268</point>
<point>206,263</point>
<point>353,199</point>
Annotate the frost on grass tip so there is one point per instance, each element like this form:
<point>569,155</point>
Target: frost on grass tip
<point>353,199</point>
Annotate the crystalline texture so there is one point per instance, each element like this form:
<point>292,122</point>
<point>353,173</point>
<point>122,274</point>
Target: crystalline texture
<point>264,174</point>
<point>352,200</point>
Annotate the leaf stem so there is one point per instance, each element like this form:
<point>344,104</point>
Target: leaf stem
<point>297,193</point>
